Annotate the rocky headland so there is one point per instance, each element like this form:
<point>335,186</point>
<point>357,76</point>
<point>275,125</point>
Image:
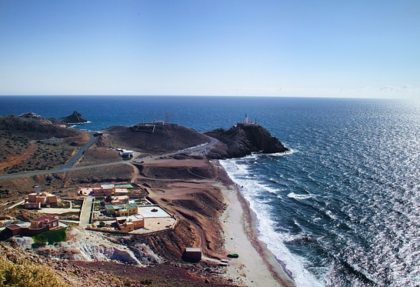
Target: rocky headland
<point>243,139</point>
<point>238,141</point>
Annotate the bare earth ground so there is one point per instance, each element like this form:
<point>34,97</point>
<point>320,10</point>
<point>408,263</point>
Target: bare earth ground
<point>96,155</point>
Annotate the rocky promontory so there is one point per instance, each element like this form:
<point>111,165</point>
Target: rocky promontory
<point>240,140</point>
<point>74,118</point>
<point>244,139</point>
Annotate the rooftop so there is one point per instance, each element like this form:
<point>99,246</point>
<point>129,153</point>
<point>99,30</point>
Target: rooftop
<point>152,211</point>
<point>46,218</point>
<point>124,185</point>
<point>120,206</point>
<point>192,249</point>
<point>13,227</point>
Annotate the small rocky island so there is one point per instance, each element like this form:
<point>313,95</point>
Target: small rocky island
<point>74,118</point>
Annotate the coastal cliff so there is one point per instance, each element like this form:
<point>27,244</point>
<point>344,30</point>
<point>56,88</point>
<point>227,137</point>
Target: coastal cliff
<point>244,139</point>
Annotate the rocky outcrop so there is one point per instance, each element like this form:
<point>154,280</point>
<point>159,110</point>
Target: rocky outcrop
<point>244,139</point>
<point>74,118</point>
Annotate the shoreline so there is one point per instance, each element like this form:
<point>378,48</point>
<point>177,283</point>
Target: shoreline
<point>240,224</point>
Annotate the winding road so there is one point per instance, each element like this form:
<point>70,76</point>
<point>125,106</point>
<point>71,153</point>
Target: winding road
<point>201,149</point>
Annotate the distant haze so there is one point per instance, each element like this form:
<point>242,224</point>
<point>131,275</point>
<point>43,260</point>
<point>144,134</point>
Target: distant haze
<point>210,47</point>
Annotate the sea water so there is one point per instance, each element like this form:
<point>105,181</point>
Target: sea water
<point>341,209</point>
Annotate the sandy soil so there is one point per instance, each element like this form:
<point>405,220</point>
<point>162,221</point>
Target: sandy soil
<point>255,266</point>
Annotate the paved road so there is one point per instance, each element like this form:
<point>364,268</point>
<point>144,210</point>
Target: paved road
<point>71,162</point>
<point>86,211</point>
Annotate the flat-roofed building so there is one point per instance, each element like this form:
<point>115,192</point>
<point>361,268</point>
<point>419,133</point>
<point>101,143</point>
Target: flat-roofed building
<point>121,209</point>
<point>131,223</point>
<point>45,221</point>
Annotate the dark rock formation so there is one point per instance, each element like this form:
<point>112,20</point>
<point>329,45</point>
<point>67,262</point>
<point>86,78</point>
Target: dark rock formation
<point>244,139</point>
<point>74,118</point>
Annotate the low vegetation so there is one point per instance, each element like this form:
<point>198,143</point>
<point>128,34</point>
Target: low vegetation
<point>46,156</point>
<point>11,144</point>
<point>50,237</point>
<point>26,274</point>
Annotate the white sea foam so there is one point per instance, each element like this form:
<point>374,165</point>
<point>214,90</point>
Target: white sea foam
<point>267,188</point>
<point>298,196</point>
<point>289,152</point>
<point>266,233</point>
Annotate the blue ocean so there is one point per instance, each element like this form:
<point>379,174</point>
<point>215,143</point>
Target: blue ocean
<point>341,209</point>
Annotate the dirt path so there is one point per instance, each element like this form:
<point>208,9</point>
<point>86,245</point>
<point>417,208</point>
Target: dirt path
<point>18,158</point>
<point>136,173</point>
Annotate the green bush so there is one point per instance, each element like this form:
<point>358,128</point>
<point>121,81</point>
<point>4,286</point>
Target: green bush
<point>50,236</point>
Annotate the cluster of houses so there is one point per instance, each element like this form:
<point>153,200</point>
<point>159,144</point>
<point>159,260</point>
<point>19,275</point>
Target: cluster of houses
<point>118,208</point>
<point>107,207</point>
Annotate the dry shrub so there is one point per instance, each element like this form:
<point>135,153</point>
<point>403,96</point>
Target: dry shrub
<point>26,274</point>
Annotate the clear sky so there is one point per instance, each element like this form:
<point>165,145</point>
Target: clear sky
<point>210,47</point>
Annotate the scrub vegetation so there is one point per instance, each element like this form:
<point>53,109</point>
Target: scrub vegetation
<point>26,274</point>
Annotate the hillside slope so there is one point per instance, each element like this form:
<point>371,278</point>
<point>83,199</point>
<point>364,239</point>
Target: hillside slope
<point>153,138</point>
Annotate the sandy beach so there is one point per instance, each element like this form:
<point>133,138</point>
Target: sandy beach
<point>256,266</point>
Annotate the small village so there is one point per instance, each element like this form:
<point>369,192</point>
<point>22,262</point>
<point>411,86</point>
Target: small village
<point>120,208</point>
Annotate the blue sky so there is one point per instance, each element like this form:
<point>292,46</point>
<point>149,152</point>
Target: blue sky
<point>210,47</point>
